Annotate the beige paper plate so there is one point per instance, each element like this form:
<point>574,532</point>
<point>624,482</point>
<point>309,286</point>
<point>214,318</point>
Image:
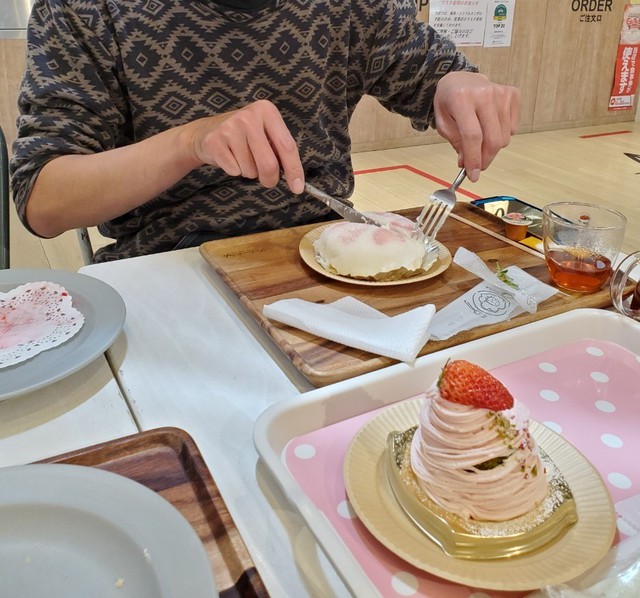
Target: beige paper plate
<point>308,256</point>
<point>577,551</point>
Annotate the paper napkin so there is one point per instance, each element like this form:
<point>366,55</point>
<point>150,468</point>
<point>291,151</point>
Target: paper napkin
<point>491,301</point>
<point>356,324</point>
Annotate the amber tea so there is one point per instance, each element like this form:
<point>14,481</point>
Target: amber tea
<point>581,244</point>
<point>578,270</point>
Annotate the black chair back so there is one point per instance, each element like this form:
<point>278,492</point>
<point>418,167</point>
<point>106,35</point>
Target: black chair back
<point>4,202</point>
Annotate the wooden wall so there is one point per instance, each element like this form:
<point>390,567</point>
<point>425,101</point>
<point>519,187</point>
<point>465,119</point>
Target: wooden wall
<point>577,69</point>
<point>564,67</point>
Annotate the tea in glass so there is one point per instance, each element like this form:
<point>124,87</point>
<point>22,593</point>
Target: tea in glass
<point>581,243</point>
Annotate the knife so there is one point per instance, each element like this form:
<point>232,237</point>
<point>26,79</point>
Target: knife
<point>347,212</point>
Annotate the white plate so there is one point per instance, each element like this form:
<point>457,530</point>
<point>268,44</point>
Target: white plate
<point>104,314</point>
<point>308,255</point>
<point>561,560</point>
<point>287,419</point>
<point>70,531</point>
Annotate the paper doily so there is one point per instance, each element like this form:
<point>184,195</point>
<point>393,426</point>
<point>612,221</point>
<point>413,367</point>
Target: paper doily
<point>35,317</point>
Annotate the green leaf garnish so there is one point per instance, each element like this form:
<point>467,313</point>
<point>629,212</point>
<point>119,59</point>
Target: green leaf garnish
<point>503,275</point>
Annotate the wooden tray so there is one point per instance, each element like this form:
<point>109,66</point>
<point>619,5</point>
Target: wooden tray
<point>167,461</point>
<point>266,267</point>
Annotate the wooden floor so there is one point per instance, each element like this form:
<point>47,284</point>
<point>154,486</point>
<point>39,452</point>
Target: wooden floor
<point>589,164</point>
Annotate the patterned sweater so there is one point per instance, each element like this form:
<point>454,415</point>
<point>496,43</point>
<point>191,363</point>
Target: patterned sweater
<point>106,73</point>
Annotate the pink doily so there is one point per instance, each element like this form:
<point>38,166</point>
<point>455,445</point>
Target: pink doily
<point>35,317</point>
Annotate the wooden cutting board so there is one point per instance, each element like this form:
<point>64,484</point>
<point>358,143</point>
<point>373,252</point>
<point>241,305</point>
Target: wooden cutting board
<point>265,267</point>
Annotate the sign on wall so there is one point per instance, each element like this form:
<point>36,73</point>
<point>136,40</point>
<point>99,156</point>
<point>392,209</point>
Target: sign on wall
<point>497,32</point>
<point>474,22</point>
<point>462,21</point>
<point>625,83</point>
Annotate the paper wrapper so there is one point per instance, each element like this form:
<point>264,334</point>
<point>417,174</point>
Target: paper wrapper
<point>490,302</point>
<point>35,317</point>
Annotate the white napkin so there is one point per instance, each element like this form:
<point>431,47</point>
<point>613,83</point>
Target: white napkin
<point>356,324</point>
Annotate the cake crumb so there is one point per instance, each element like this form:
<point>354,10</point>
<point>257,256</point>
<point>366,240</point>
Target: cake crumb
<point>119,582</point>
<point>147,556</point>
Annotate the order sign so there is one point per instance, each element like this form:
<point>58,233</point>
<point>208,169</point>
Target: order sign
<point>625,81</point>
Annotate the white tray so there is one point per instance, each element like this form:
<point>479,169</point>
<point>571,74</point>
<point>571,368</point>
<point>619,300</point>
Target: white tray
<point>286,420</point>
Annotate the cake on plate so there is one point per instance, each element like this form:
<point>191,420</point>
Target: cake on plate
<point>471,474</point>
<point>473,453</point>
<point>376,253</point>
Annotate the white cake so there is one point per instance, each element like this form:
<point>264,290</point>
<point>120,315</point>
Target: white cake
<point>369,252</point>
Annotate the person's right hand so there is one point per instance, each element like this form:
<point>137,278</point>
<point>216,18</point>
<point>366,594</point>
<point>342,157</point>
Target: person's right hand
<point>476,116</point>
<point>253,142</point>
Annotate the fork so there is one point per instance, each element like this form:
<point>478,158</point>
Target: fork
<point>435,212</point>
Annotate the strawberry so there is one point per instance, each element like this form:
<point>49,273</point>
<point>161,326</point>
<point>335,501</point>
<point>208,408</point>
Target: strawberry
<point>469,384</point>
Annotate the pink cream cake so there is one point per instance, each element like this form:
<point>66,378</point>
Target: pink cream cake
<point>369,252</point>
<point>472,453</point>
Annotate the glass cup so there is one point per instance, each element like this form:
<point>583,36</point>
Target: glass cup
<point>625,286</point>
<point>581,243</point>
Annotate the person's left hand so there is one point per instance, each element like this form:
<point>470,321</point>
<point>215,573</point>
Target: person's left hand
<point>476,116</point>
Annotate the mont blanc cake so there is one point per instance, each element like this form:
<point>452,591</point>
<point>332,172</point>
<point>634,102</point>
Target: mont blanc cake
<point>369,252</point>
<point>471,474</point>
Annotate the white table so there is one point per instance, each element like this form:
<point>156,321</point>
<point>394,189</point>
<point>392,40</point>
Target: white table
<point>189,357</point>
<point>83,409</point>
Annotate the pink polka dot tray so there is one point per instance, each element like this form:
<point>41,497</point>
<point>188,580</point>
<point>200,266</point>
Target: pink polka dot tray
<point>578,375</point>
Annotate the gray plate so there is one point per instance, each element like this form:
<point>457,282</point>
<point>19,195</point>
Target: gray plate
<point>70,531</point>
<point>104,314</point>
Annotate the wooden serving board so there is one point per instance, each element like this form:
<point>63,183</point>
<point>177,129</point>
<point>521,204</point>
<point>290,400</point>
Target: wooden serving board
<point>265,267</point>
<point>167,461</point>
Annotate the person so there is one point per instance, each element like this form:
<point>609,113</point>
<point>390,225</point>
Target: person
<point>170,123</point>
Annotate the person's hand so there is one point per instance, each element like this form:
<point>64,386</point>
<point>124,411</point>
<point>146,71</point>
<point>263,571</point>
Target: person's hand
<point>476,116</point>
<point>253,142</point>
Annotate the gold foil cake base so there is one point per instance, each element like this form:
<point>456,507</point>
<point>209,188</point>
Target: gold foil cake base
<point>471,539</point>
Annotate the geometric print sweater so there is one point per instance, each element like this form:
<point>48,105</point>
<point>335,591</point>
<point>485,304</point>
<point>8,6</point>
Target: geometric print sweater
<point>106,73</point>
